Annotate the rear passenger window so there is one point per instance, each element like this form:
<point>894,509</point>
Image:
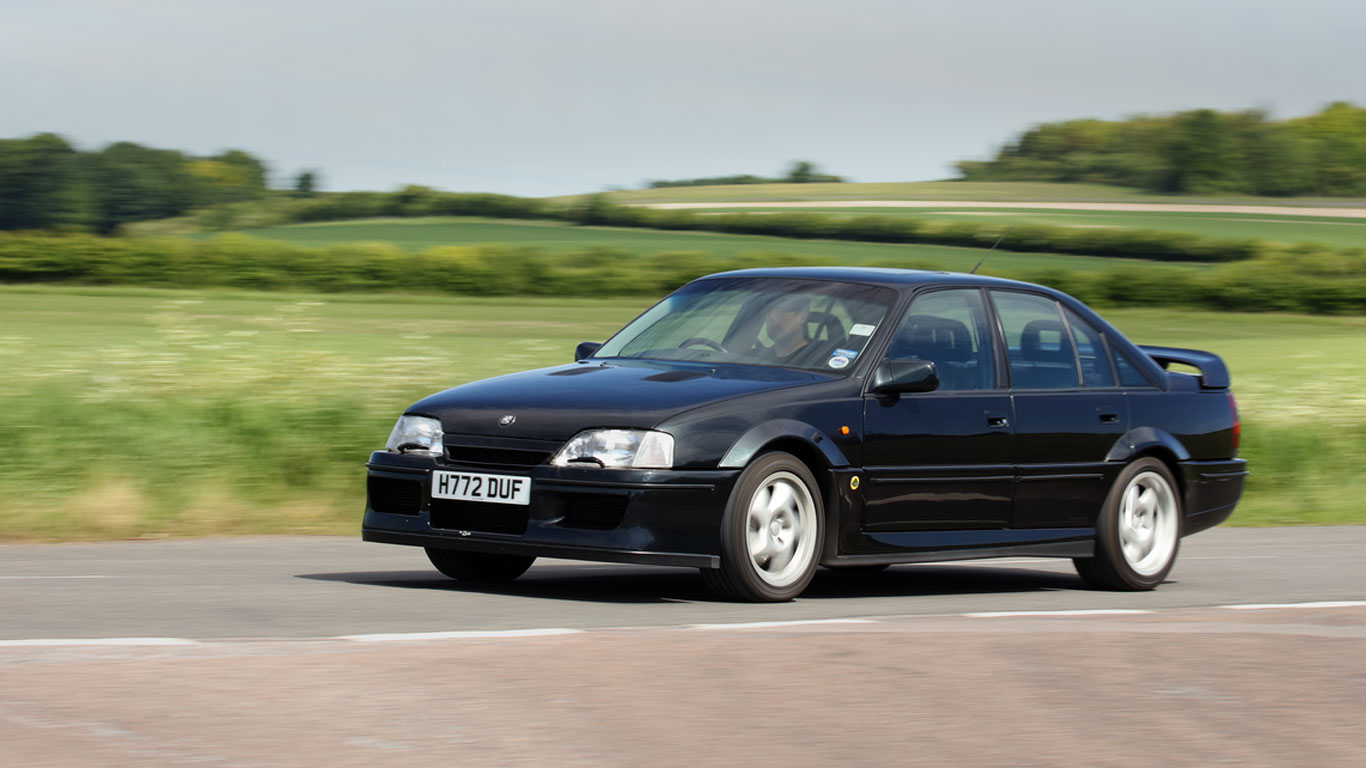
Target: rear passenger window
<point>1095,364</point>
<point>1041,351</point>
<point>1129,375</point>
<point>950,329</point>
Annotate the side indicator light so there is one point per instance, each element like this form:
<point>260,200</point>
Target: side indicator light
<point>844,430</point>
<point>853,483</point>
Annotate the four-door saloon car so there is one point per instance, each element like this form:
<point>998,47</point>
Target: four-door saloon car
<point>761,423</point>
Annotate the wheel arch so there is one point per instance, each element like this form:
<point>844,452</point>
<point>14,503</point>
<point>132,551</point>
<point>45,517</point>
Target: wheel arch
<point>1147,440</point>
<point>811,447</point>
<point>810,443</point>
<point>1157,443</point>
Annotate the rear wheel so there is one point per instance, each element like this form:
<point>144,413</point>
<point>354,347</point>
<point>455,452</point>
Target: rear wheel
<point>480,567</point>
<point>1138,532</point>
<point>771,534</point>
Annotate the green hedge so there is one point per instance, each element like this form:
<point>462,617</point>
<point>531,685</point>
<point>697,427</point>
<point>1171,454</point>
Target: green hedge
<point>1301,279</point>
<point>1034,238</point>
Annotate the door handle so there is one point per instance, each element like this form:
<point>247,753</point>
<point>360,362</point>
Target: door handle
<point>997,421</point>
<point>1109,418</point>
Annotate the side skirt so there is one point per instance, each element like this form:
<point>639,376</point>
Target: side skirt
<point>1076,548</point>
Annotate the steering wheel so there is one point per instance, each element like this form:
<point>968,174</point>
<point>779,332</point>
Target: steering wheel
<point>704,341</point>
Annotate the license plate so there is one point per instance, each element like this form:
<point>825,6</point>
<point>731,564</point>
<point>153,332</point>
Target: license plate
<point>494,489</point>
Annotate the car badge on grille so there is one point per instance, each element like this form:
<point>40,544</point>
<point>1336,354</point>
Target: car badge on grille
<point>507,420</point>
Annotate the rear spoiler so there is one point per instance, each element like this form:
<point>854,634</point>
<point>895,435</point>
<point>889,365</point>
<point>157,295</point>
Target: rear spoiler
<point>1213,372</point>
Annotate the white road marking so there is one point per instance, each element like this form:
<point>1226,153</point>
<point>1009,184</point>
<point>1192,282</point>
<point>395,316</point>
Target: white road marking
<point>122,641</point>
<point>1082,612</point>
<point>17,578</point>
<point>461,635</point>
<point>496,634</point>
<point>1274,606</point>
<point>778,624</point>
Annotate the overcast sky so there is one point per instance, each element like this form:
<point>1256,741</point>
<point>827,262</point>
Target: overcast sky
<point>542,97</point>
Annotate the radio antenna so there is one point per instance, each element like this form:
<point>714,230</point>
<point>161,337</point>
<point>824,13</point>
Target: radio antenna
<point>992,248</point>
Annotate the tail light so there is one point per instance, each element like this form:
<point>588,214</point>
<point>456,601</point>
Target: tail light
<point>1237,424</point>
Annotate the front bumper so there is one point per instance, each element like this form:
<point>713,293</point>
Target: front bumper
<point>664,517</point>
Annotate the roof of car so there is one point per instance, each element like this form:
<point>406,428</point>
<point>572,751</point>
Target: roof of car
<point>874,275</point>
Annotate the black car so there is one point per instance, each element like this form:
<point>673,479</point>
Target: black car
<point>758,424</point>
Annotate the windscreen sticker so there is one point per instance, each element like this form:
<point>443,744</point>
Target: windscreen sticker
<point>838,361</point>
<point>849,353</point>
<point>862,329</point>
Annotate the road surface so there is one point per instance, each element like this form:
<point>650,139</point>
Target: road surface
<point>324,651</point>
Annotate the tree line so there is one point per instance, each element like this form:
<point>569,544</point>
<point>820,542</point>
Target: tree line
<point>800,172</point>
<point>46,183</point>
<point>1199,152</point>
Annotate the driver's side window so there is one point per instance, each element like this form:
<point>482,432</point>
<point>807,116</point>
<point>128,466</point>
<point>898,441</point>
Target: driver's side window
<point>949,328</point>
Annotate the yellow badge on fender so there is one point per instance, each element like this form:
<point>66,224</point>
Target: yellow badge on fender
<point>853,483</point>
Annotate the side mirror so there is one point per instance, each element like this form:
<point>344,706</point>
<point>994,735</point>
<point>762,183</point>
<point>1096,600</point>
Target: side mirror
<point>586,348</point>
<point>896,376</point>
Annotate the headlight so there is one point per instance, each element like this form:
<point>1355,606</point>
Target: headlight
<point>416,434</point>
<point>637,448</point>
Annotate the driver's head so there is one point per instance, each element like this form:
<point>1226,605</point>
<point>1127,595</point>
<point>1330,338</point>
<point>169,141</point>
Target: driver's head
<point>787,318</point>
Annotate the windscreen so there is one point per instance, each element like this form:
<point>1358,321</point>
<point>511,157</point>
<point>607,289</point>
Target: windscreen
<point>793,323</point>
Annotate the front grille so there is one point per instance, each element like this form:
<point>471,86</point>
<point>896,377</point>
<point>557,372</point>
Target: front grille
<point>394,496</point>
<point>478,516</point>
<point>594,511</point>
<point>490,456</point>
<point>498,452</point>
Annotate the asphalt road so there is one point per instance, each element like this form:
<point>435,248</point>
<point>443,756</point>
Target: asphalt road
<point>304,587</point>
<point>308,651</point>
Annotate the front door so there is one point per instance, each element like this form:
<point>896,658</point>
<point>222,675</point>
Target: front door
<point>941,460</point>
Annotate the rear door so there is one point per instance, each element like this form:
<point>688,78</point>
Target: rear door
<point>1068,411</point>
<point>941,460</point>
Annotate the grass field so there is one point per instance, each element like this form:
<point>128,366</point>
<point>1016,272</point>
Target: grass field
<point>419,233</point>
<point>1340,232</point>
<point>138,412</point>
<point>1002,191</point>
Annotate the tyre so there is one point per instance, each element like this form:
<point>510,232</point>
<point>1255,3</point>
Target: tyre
<point>771,534</point>
<point>1138,532</point>
<point>479,567</point>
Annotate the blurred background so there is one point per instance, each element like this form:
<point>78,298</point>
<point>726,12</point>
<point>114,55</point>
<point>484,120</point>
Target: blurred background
<point>238,239</point>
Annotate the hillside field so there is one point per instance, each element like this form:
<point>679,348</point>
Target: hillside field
<point>418,233</point>
<point>140,412</point>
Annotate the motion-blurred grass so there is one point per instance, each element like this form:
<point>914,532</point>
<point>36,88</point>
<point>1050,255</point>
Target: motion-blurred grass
<point>139,412</point>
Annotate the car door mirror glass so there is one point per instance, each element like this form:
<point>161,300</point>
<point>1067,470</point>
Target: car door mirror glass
<point>895,376</point>
<point>585,349</point>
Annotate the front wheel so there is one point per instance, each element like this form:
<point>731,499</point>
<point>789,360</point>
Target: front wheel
<point>771,534</point>
<point>1139,530</point>
<point>479,567</point>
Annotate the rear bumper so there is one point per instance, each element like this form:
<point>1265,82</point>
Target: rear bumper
<point>664,517</point>
<point>1213,489</point>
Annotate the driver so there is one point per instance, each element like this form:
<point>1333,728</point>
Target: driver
<point>786,324</point>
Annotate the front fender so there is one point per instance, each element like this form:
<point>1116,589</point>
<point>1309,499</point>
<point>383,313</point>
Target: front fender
<point>1140,439</point>
<point>748,444</point>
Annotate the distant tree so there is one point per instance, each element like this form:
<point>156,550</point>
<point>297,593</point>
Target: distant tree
<point>228,177</point>
<point>134,183</point>
<point>306,184</point>
<point>1201,151</point>
<point>42,185</point>
<point>804,172</point>
<point>1201,154</point>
